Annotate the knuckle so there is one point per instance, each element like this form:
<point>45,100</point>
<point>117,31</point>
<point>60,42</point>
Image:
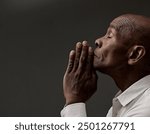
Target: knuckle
<point>76,60</point>
<point>77,75</point>
<point>83,59</point>
<point>70,64</point>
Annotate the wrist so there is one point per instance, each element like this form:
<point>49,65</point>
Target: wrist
<point>73,101</point>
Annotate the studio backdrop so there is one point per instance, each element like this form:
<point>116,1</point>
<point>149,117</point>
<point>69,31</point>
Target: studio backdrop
<point>35,39</point>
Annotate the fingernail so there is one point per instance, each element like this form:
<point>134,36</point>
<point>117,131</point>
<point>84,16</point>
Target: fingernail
<point>84,42</point>
<point>90,49</point>
<point>72,52</point>
<point>78,45</point>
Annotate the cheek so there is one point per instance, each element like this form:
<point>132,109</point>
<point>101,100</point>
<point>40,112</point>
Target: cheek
<point>120,52</point>
<point>117,56</point>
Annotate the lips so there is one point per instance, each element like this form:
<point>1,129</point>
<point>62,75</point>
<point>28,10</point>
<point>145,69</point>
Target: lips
<point>100,57</point>
<point>96,55</point>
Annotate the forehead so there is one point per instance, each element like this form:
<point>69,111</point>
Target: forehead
<point>122,24</point>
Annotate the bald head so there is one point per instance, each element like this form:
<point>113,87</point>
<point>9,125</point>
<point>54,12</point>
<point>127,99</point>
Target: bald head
<point>133,27</point>
<point>134,30</point>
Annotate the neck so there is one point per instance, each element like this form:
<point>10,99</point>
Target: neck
<point>125,79</point>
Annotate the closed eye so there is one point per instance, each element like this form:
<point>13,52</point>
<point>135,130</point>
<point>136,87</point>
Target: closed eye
<point>110,35</point>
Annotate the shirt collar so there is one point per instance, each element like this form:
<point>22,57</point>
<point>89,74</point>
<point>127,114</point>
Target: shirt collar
<point>133,91</point>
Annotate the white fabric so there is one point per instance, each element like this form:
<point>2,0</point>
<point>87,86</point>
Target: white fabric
<point>74,110</point>
<point>133,102</point>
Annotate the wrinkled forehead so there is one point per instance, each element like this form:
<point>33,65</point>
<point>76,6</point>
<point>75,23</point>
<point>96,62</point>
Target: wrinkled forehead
<point>122,24</point>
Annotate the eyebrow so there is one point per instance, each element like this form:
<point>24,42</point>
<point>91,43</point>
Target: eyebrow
<point>113,26</point>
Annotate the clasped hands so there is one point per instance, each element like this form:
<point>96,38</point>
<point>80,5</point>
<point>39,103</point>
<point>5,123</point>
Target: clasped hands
<point>80,79</point>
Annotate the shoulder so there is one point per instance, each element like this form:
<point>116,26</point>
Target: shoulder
<point>141,106</point>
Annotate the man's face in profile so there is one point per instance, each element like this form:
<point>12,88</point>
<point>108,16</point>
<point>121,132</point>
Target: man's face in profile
<point>110,52</point>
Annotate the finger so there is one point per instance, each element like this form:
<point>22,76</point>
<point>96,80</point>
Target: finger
<point>94,75</point>
<point>83,57</point>
<point>90,59</point>
<point>71,61</point>
<point>77,57</point>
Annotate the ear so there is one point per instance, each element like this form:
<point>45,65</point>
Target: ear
<point>135,54</point>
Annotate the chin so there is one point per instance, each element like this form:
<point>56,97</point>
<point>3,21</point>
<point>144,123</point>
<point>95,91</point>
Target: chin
<point>100,67</point>
<point>97,64</point>
<point>97,67</point>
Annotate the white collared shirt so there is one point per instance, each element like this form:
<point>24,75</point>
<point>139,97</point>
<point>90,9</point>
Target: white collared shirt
<point>133,102</point>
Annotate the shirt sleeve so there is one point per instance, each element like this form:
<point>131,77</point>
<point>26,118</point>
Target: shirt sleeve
<point>74,110</point>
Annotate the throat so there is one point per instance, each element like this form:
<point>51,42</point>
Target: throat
<point>126,80</point>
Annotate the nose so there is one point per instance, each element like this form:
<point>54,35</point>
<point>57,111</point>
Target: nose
<point>98,42</point>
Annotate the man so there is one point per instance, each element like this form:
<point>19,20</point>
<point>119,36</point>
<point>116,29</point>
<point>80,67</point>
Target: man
<point>123,53</point>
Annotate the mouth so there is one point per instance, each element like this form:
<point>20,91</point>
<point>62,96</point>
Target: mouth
<point>100,57</point>
<point>95,55</point>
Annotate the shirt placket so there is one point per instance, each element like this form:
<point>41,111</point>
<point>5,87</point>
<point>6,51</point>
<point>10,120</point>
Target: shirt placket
<point>116,106</point>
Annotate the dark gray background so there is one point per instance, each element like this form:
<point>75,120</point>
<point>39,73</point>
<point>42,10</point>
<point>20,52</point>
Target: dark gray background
<point>35,39</point>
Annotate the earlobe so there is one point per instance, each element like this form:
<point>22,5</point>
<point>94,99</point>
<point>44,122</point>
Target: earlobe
<point>135,54</point>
